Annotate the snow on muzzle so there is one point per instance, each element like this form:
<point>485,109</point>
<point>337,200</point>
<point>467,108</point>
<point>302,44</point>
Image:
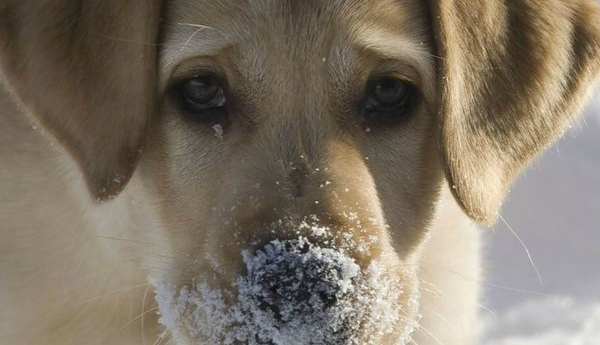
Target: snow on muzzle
<point>292,292</point>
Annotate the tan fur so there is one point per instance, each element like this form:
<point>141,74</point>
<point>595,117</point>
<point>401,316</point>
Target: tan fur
<point>499,81</point>
<point>66,59</point>
<point>530,64</point>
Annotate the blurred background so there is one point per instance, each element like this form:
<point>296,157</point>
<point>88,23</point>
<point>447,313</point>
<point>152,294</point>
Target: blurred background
<point>554,211</point>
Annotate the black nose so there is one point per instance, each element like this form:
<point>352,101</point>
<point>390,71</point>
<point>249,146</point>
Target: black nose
<point>294,279</point>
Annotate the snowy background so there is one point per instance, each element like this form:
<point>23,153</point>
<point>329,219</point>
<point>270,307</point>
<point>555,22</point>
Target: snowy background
<point>554,208</point>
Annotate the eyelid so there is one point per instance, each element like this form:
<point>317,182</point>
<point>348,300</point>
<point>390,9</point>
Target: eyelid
<point>374,80</point>
<point>401,78</point>
<point>177,80</point>
<point>192,68</point>
<point>400,71</point>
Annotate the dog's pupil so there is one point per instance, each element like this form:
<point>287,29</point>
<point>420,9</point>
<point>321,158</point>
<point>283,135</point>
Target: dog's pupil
<point>390,92</point>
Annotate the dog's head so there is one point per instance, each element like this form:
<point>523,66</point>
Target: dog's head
<point>292,151</point>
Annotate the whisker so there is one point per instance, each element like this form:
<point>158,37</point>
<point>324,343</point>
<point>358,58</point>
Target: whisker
<point>412,340</point>
<point>164,269</point>
<point>420,326</point>
<point>487,309</point>
<point>508,288</point>
<point>444,296</point>
<point>485,284</point>
<point>137,317</point>
<point>128,240</point>
<point>437,340</point>
<point>199,28</point>
<point>443,318</point>
<point>435,290</point>
<point>537,272</point>
<point>144,314</point>
<point>170,257</point>
<point>123,290</point>
<point>160,338</point>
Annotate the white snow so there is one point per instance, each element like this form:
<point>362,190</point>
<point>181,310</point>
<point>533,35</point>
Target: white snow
<point>218,131</point>
<point>293,292</point>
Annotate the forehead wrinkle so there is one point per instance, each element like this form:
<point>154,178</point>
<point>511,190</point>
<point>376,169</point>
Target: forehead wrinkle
<point>393,46</point>
<point>390,45</point>
<point>195,41</point>
<point>389,32</point>
<point>202,28</point>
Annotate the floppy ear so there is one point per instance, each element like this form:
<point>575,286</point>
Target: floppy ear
<point>512,76</point>
<point>86,70</point>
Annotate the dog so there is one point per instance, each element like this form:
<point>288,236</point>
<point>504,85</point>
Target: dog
<point>269,172</point>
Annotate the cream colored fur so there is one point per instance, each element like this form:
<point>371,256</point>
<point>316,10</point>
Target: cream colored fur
<point>61,286</point>
<point>105,183</point>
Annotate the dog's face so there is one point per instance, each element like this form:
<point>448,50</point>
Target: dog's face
<point>294,150</point>
<point>301,131</point>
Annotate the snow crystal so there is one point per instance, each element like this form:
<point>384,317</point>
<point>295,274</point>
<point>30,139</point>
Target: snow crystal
<point>218,131</point>
<point>292,292</point>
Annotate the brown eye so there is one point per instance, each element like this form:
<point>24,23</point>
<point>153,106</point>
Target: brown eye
<point>390,92</point>
<point>201,93</point>
<point>389,99</point>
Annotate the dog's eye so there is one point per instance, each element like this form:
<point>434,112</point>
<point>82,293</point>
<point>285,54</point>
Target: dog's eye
<point>389,100</point>
<point>201,93</point>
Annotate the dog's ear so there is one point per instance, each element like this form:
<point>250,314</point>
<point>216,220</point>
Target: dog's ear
<point>512,75</point>
<point>86,70</point>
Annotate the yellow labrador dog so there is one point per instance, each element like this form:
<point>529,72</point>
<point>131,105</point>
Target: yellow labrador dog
<point>281,172</point>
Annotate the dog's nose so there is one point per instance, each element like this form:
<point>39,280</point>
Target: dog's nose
<point>294,279</point>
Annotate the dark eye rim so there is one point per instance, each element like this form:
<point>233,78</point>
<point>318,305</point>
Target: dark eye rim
<point>216,111</point>
<point>218,101</point>
<point>375,113</point>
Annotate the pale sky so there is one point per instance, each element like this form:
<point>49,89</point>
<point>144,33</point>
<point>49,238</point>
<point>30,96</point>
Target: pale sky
<point>555,210</point>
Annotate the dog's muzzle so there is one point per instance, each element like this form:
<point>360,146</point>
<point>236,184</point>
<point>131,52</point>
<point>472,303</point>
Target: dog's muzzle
<point>290,292</point>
